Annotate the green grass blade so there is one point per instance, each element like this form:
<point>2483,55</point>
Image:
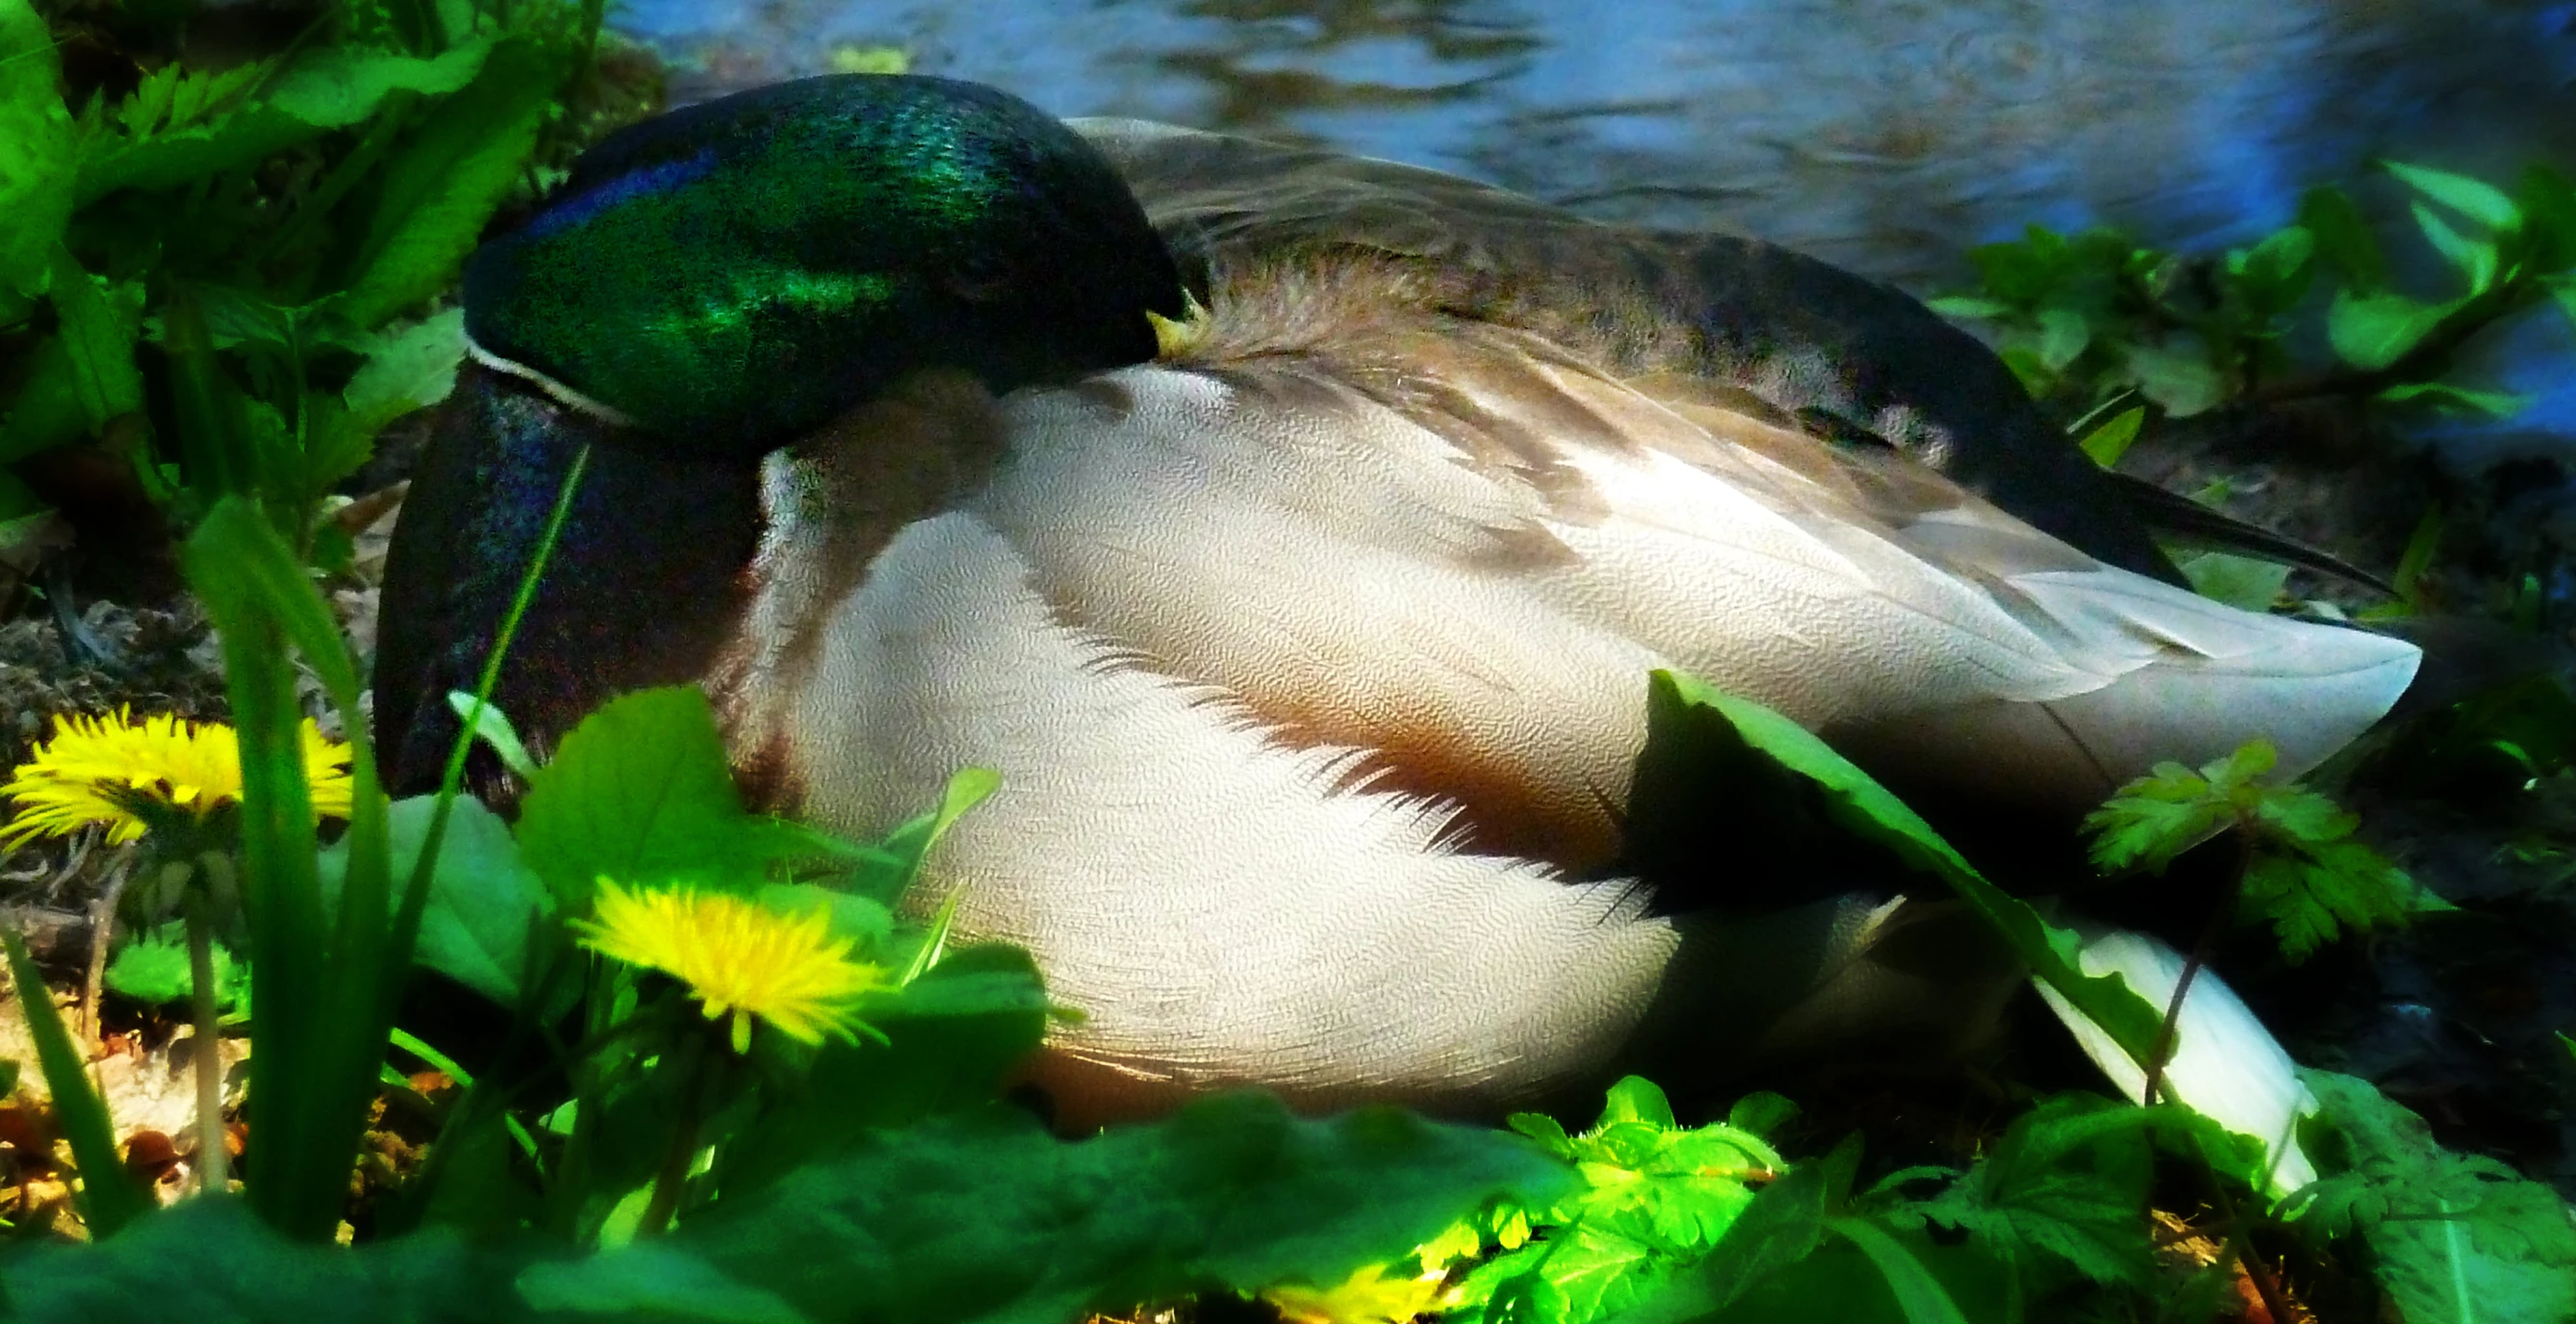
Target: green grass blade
<point>108,1200</point>
<point>319,1009</point>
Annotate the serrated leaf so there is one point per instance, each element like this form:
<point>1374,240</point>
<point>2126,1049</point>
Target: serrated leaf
<point>449,180</point>
<point>407,370</point>
<point>324,87</point>
<point>153,967</point>
<point>2371,331</point>
<point>2455,1239</point>
<point>2474,198</point>
<point>39,161</point>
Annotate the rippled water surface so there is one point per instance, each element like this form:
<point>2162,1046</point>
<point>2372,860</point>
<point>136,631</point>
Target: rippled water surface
<point>1886,135</point>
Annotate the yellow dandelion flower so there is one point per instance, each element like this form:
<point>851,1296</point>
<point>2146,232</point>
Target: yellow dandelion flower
<point>65,785</point>
<point>1368,1296</point>
<point>737,956</point>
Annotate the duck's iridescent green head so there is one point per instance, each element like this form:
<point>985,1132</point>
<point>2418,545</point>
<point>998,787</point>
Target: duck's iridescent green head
<point>734,274</point>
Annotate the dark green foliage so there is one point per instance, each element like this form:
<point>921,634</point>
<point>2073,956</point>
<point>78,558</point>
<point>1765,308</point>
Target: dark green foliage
<point>256,232</point>
<point>2094,316</point>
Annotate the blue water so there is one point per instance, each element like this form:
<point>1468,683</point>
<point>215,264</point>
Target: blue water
<point>1886,135</point>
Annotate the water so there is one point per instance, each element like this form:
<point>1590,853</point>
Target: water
<point>1885,135</point>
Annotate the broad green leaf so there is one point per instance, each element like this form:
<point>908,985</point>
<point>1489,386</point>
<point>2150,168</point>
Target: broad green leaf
<point>2343,238</point>
<point>2371,331</point>
<point>324,87</point>
<point>2244,582</point>
<point>2063,336</point>
<point>98,333</point>
<point>153,967</point>
<point>2476,258</point>
<point>2275,272</point>
<point>2066,1184</point>
<point>212,1259</point>
<point>951,1037</point>
<point>2456,1239</point>
<point>1866,808</point>
<point>2180,380</point>
<point>653,1282</point>
<point>2476,199</point>
<point>937,1222</point>
<point>108,1200</point>
<point>484,903</point>
<point>2107,443</point>
<point>449,179</point>
<point>640,792</point>
<point>38,156</point>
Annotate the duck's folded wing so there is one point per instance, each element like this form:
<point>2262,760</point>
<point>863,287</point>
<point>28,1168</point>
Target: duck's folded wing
<point>1817,347</point>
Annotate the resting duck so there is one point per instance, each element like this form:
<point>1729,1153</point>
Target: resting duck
<point>1296,534</point>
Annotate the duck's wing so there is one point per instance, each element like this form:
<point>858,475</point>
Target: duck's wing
<point>1835,354</point>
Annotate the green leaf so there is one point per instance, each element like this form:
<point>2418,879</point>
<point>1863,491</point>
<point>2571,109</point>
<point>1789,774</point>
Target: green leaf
<point>2476,199</point>
<point>653,1282</point>
<point>2063,336</point>
<point>2245,582</point>
<point>951,1038</point>
<point>2455,1239</point>
<point>1964,307</point>
<point>108,1200</point>
<point>324,87</point>
<point>153,967</point>
<point>2275,272</point>
<point>2476,258</point>
<point>2183,382</point>
<point>2548,202</point>
<point>640,792</point>
<point>38,156</point>
<point>1918,1293</point>
<point>2343,238</point>
<point>2484,404</point>
<point>887,869</point>
<point>210,1259</point>
<point>407,370</point>
<point>1866,808</point>
<point>2066,1184</point>
<point>493,728</point>
<point>99,334</point>
<point>484,903</point>
<point>2107,443</point>
<point>449,179</point>
<point>938,1222</point>
<point>2372,331</point>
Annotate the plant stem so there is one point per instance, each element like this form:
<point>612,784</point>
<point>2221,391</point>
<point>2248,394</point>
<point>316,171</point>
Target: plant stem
<point>2171,1028</point>
<point>698,1069</point>
<point>209,1051</point>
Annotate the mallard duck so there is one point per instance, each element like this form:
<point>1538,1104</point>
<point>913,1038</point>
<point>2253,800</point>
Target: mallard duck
<point>1296,534</point>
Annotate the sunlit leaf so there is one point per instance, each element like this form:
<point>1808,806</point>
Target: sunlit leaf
<point>2476,199</point>
<point>2107,443</point>
<point>38,159</point>
<point>2486,404</point>
<point>2476,258</point>
<point>2371,331</point>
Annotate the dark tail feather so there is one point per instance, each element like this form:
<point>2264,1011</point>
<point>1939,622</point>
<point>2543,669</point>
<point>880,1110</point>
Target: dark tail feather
<point>2185,520</point>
